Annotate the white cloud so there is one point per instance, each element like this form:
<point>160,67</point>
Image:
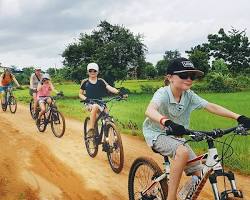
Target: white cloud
<point>35,32</point>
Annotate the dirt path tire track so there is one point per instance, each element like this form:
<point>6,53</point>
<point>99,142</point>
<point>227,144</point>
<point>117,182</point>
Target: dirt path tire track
<point>67,158</point>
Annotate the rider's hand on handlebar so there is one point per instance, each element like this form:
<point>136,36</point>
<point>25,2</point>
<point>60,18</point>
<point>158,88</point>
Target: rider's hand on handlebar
<point>175,129</point>
<point>60,94</point>
<point>122,93</point>
<point>245,121</point>
<point>87,100</point>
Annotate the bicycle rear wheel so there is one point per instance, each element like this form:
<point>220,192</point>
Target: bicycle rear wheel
<point>115,153</point>
<point>12,104</point>
<point>41,126</point>
<point>141,175</point>
<point>90,140</point>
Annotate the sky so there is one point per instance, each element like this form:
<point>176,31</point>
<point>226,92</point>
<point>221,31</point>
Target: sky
<point>36,32</point>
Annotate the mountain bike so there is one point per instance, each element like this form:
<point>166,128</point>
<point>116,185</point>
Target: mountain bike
<point>33,113</point>
<point>148,182</point>
<point>107,135</point>
<point>9,100</point>
<point>54,117</point>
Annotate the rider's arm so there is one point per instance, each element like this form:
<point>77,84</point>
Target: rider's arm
<point>1,79</point>
<point>39,87</point>
<point>108,87</point>
<point>53,89</point>
<point>82,94</point>
<point>82,91</point>
<point>16,82</point>
<point>153,113</point>
<point>112,89</point>
<point>31,82</point>
<point>221,111</point>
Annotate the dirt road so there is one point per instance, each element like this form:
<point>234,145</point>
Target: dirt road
<point>40,166</point>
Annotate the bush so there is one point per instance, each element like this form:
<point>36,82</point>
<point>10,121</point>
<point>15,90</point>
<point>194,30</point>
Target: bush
<point>243,81</point>
<point>217,82</point>
<point>148,89</point>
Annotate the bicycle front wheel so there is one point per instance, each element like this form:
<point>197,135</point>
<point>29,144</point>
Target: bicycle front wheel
<point>90,140</point>
<point>32,113</point>
<point>115,153</point>
<point>140,181</point>
<point>12,104</point>
<point>4,105</point>
<point>41,126</point>
<point>57,124</point>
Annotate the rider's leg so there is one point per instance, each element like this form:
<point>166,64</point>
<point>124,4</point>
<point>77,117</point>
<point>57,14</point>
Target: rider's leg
<point>180,153</point>
<point>35,101</point>
<point>177,166</point>
<point>3,97</point>
<point>93,115</point>
<point>43,109</point>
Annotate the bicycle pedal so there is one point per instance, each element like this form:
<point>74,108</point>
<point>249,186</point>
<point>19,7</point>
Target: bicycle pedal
<point>105,147</point>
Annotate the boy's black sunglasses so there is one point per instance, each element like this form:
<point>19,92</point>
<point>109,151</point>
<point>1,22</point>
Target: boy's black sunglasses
<point>92,70</point>
<point>186,75</point>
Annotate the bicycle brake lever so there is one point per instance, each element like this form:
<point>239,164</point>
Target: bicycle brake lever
<point>240,130</point>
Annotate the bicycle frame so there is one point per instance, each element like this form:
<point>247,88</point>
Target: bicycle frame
<point>212,169</point>
<point>8,92</point>
<point>104,117</point>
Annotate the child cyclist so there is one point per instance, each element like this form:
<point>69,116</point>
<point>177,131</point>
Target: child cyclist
<point>170,108</point>
<point>94,88</point>
<point>44,89</point>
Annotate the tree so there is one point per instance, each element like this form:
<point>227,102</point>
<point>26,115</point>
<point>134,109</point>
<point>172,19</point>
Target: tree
<point>114,48</point>
<point>162,65</point>
<point>219,66</point>
<point>233,47</point>
<point>150,70</point>
<point>200,59</point>
<point>24,76</point>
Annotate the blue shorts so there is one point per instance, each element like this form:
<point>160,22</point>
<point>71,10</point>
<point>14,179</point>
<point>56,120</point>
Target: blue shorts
<point>4,88</point>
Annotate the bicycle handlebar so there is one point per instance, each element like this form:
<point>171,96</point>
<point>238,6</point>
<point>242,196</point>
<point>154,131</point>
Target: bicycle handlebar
<point>103,102</point>
<point>216,133</point>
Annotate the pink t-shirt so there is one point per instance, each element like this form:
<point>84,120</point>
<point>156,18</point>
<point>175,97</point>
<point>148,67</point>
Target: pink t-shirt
<point>44,91</point>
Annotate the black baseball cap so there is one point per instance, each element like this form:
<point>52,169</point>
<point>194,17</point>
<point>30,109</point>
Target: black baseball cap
<point>180,65</point>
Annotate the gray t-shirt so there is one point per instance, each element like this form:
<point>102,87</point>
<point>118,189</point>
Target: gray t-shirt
<point>177,112</point>
<point>34,81</point>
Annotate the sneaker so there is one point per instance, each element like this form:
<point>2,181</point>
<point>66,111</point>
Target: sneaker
<point>91,132</point>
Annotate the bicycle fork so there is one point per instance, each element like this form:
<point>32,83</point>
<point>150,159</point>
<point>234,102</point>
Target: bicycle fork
<point>224,194</point>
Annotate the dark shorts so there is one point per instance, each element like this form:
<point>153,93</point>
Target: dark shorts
<point>167,145</point>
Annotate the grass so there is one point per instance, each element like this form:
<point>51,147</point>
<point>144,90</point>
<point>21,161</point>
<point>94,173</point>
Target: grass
<point>132,112</point>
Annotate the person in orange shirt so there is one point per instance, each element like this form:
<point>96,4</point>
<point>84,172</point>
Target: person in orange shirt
<point>6,79</point>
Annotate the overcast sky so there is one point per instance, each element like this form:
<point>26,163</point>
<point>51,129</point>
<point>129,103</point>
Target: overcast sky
<point>35,32</point>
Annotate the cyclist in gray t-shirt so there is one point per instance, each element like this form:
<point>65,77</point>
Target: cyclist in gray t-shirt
<point>170,109</point>
<point>35,79</point>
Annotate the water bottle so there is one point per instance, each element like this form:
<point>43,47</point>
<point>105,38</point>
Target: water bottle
<point>184,191</point>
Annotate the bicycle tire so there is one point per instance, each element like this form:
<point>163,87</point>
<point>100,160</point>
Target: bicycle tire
<point>113,146</point>
<point>155,170</point>
<point>92,151</point>
<point>12,104</point>
<point>57,118</point>
<point>4,106</point>
<point>43,124</point>
<point>32,109</point>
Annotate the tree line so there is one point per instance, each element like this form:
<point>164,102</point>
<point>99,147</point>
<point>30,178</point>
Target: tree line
<point>121,55</point>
